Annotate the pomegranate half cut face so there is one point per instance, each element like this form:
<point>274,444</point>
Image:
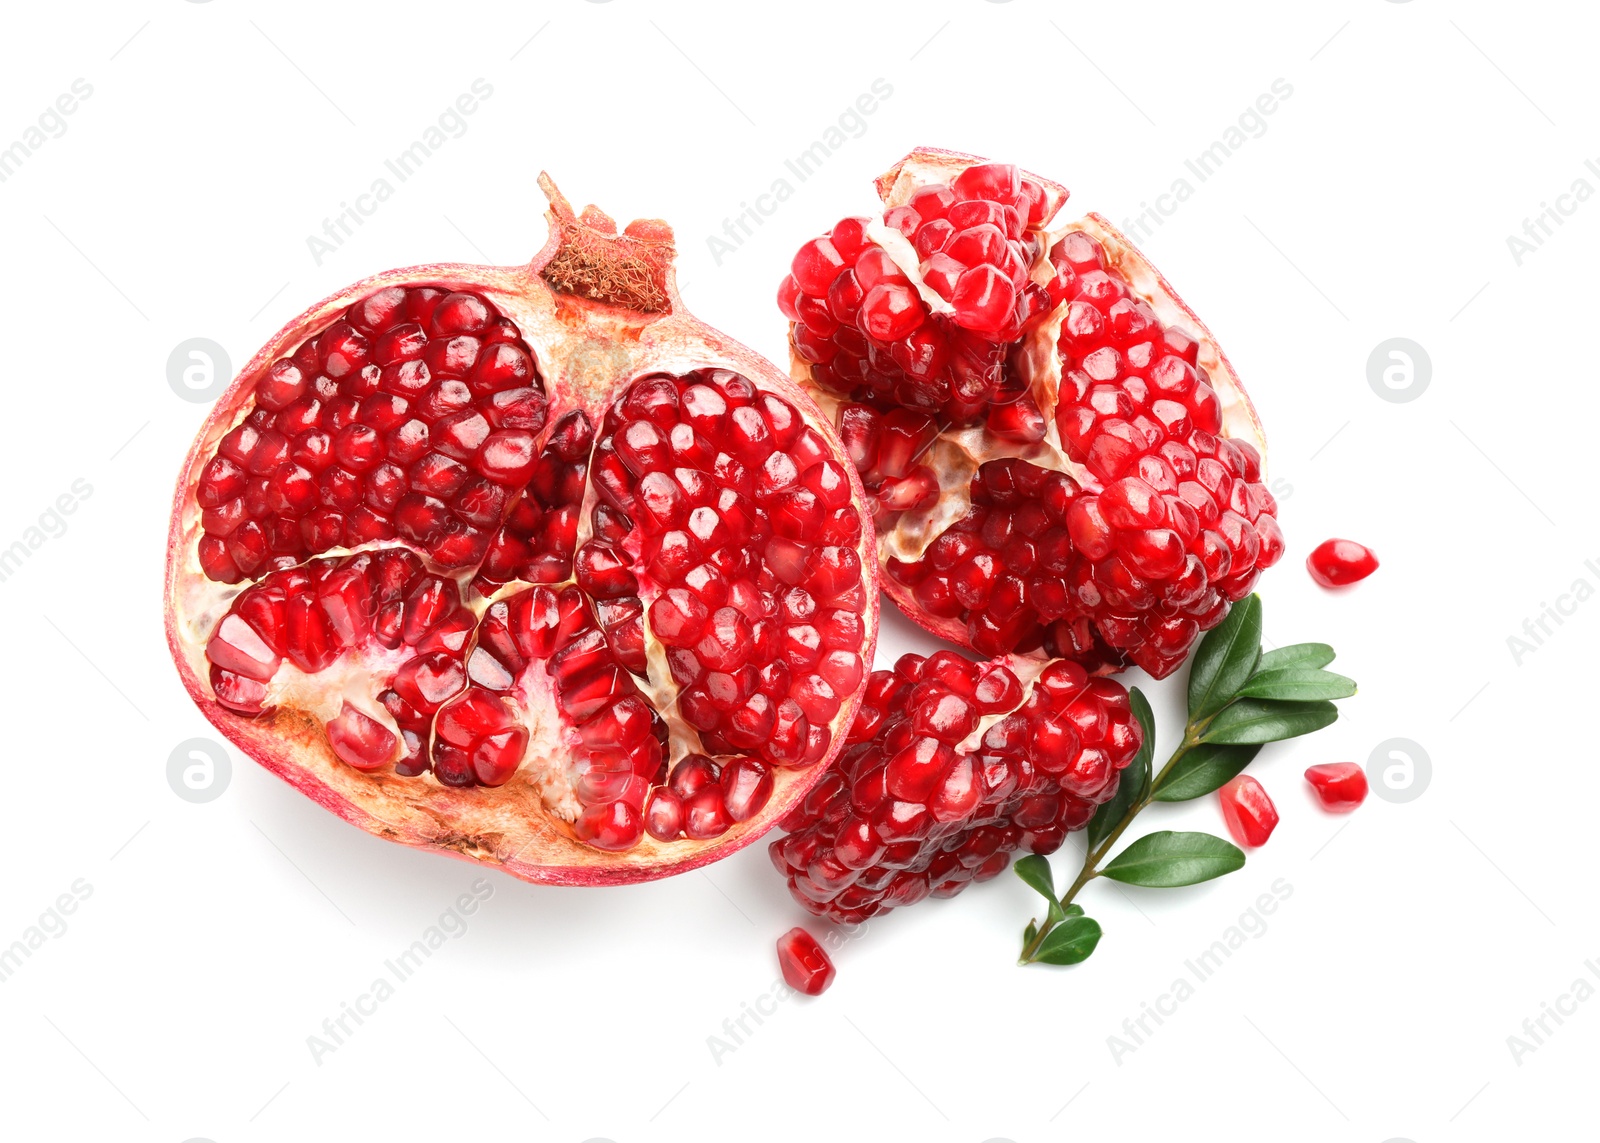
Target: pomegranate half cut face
<point>527,565</point>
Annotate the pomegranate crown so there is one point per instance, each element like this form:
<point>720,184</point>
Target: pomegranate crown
<point>591,260</point>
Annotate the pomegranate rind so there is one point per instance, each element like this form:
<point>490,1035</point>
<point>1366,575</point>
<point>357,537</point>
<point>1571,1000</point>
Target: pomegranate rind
<point>956,455</point>
<point>587,348</point>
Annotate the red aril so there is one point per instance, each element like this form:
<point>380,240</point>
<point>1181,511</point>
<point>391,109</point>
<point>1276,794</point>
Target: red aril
<point>806,967</point>
<point>1339,563</point>
<point>474,556</point>
<point>1250,814</point>
<point>1339,786</point>
<point>952,766</point>
<point>1061,460</point>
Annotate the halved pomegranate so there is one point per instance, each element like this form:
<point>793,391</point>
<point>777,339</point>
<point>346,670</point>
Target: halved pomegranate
<point>1061,458</point>
<point>527,565</point>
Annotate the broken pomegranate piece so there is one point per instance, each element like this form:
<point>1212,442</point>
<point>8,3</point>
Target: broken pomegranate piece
<point>527,565</point>
<point>953,765</point>
<point>806,967</point>
<point>1339,563</point>
<point>1339,786</point>
<point>1061,461</point>
<point>1247,809</point>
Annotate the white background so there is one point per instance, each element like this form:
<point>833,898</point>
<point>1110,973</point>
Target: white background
<point>1376,204</point>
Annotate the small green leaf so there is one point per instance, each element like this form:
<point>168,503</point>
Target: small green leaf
<point>1035,870</point>
<point>1167,859</point>
<point>1074,910</point>
<point>1305,655</point>
<point>1297,684</point>
<point>1203,769</point>
<point>1134,782</point>
<point>1260,720</point>
<point>1225,659</point>
<point>1069,942</point>
<point>1027,936</point>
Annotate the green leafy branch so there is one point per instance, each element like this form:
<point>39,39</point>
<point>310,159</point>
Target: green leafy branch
<point>1240,698</point>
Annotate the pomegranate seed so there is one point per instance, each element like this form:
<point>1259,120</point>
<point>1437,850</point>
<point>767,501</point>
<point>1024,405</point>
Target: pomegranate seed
<point>1338,563</point>
<point>1250,814</point>
<point>1339,786</point>
<point>806,967</point>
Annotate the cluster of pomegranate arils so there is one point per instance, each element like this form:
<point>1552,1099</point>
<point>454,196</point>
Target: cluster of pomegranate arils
<point>1112,511</point>
<point>529,565</point>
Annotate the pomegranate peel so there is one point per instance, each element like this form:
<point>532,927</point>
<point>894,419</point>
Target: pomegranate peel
<point>1101,374</point>
<point>443,663</point>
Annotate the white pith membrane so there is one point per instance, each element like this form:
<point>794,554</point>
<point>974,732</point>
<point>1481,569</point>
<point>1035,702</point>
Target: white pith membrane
<point>1027,672</point>
<point>587,353</point>
<point>956,454</point>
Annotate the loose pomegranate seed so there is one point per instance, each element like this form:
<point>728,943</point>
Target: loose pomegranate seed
<point>806,967</point>
<point>1340,786</point>
<point>1250,814</point>
<point>403,419</point>
<point>1339,563</point>
<point>911,810</point>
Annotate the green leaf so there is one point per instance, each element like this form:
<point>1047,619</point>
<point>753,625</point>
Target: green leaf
<point>1261,720</point>
<point>1305,655</point>
<point>1035,870</point>
<point>1203,769</point>
<point>1167,859</point>
<point>1074,910</point>
<point>1055,913</point>
<point>1027,936</point>
<point>1134,782</point>
<point>1069,942</point>
<point>1225,659</point>
<point>1297,684</point>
